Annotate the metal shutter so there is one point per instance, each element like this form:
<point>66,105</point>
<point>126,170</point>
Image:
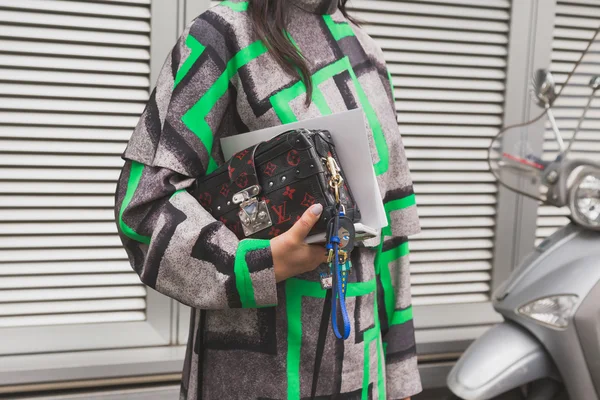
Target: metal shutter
<point>447,59</point>
<point>74,78</point>
<point>576,21</point>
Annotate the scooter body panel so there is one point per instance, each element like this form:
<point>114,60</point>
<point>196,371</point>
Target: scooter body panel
<point>558,252</point>
<point>568,265</point>
<point>504,358</point>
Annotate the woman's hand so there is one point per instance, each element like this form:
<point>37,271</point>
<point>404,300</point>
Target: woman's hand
<point>291,256</point>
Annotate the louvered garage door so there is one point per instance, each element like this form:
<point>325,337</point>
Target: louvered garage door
<point>74,77</point>
<point>447,59</point>
<point>576,22</point>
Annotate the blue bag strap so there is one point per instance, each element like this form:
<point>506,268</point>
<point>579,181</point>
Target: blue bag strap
<point>340,284</point>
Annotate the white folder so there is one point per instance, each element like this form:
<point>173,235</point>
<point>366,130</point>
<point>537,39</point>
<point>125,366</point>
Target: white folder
<point>349,134</point>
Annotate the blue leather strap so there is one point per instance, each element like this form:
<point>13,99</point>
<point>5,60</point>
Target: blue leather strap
<point>340,276</point>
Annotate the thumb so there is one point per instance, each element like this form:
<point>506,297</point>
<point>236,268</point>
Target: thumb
<point>302,227</point>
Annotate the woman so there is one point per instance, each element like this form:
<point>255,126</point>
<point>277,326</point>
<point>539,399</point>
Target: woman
<point>243,66</point>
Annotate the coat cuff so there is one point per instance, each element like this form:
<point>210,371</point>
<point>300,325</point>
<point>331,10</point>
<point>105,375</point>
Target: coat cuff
<point>255,274</point>
<point>403,379</point>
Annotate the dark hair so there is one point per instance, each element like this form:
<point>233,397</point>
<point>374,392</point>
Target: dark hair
<point>270,19</point>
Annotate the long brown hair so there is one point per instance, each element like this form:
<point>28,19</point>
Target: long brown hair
<point>270,19</point>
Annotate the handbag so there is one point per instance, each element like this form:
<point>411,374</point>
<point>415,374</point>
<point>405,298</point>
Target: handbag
<point>263,190</point>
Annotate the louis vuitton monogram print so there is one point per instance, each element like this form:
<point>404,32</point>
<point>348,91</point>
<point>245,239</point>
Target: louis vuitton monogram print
<point>251,338</point>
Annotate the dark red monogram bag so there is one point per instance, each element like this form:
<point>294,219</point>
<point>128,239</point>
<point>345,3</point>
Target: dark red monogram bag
<point>263,190</point>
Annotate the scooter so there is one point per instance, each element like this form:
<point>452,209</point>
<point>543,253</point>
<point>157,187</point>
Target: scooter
<point>548,346</point>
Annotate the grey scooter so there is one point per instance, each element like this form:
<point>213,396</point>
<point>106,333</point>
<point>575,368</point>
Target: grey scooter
<point>549,345</point>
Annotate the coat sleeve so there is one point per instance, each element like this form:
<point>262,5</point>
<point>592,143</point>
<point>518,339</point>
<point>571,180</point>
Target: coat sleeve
<point>396,319</point>
<point>173,243</point>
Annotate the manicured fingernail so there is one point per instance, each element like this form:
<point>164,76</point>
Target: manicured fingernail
<point>317,209</point>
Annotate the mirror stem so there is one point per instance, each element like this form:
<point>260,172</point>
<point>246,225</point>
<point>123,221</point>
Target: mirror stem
<point>557,135</point>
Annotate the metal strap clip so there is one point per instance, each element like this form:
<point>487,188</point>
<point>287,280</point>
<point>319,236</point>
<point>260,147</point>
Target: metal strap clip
<point>336,180</point>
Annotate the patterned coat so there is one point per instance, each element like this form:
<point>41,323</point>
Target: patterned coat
<point>251,338</point>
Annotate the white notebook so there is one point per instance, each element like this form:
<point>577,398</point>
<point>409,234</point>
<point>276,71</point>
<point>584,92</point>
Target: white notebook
<point>349,134</point>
